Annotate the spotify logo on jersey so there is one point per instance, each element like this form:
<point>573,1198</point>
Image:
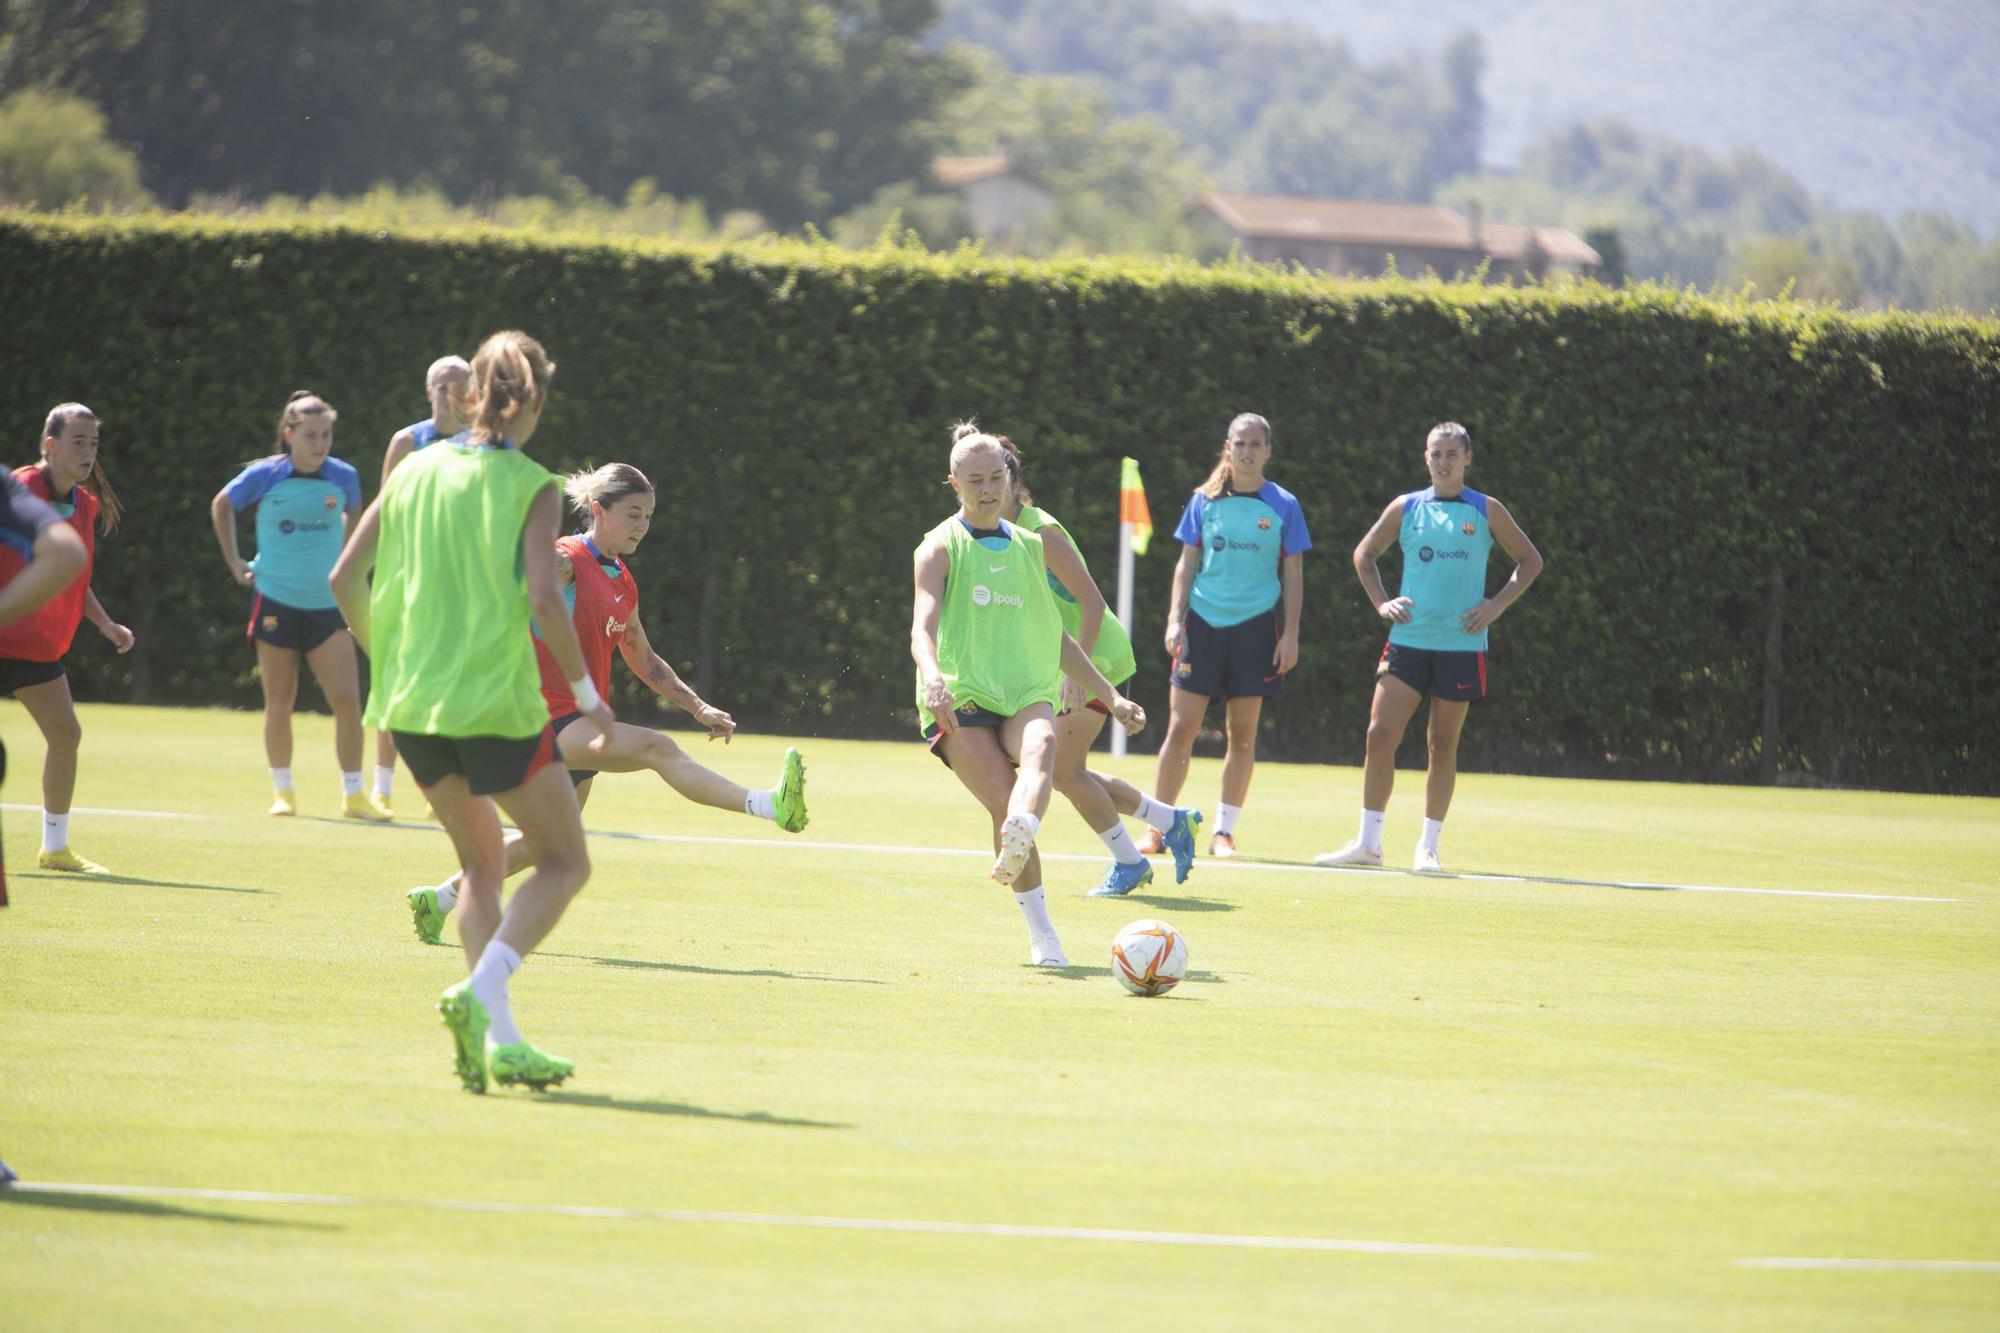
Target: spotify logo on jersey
<point>985,596</point>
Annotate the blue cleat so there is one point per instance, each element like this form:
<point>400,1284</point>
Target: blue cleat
<point>1180,840</point>
<point>1121,879</point>
<point>7,1176</point>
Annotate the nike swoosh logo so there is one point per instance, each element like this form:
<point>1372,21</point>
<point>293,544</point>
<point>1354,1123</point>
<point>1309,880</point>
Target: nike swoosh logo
<point>996,569</point>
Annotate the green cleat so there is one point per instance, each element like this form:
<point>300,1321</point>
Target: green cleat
<point>428,913</point>
<point>788,798</point>
<point>518,1062</point>
<point>466,1017</point>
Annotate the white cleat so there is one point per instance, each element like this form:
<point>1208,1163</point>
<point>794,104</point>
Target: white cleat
<point>1047,951</point>
<point>1353,854</point>
<point>1426,862</point>
<point>1016,845</point>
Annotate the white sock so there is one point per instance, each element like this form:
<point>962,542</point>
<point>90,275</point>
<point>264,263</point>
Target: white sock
<point>1035,907</point>
<point>448,894</point>
<point>1371,829</point>
<point>350,783</point>
<point>758,803</point>
<point>1225,817</point>
<point>55,831</point>
<point>1121,844</point>
<point>385,778</point>
<point>1432,827</point>
<point>281,778</point>
<point>1158,814</point>
<point>489,986</point>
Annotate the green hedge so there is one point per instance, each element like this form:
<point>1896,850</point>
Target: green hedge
<point>1675,457</point>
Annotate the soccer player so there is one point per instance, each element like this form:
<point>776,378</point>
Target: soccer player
<point>1243,543</point>
<point>991,653</point>
<point>305,501</point>
<point>604,607</point>
<point>462,544</point>
<point>1099,798</point>
<point>40,555</point>
<point>1438,626</point>
<point>444,385</point>
<point>70,479</point>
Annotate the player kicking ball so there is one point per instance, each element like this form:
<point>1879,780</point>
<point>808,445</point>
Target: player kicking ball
<point>1438,626</point>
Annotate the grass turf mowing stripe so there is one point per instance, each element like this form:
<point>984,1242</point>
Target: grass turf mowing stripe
<point>999,1230</point>
<point>1877,1265</point>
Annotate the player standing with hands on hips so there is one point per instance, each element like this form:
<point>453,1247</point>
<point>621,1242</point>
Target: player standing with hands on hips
<point>1438,626</point>
<point>1233,630</point>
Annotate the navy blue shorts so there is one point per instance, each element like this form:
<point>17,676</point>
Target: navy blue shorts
<point>577,776</point>
<point>18,671</point>
<point>489,764</point>
<point>1442,675</point>
<point>284,626</point>
<point>969,715</point>
<point>1230,663</point>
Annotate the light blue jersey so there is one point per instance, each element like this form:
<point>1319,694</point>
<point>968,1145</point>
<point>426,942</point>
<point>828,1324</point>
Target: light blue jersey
<point>1445,544</point>
<point>422,433</point>
<point>300,526</point>
<point>1242,539</point>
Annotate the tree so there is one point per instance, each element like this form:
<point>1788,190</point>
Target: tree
<point>53,152</point>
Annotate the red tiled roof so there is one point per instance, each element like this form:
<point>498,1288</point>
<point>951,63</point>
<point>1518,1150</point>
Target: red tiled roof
<point>1431,226</point>
<point>957,172</point>
<point>1561,245</point>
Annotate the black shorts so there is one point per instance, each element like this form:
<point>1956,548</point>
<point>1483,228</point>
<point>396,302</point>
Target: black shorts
<point>18,671</point>
<point>1230,663</point>
<point>969,715</point>
<point>489,764</point>
<point>1460,677</point>
<point>577,776</point>
<point>284,626</point>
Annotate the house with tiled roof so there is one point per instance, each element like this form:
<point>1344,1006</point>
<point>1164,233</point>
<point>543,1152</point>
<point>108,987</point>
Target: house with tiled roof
<point>1359,237</point>
<point>1003,202</point>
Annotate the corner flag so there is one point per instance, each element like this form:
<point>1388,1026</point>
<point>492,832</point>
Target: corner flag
<point>1132,506</point>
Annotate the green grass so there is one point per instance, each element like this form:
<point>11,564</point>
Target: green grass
<point>1668,1081</point>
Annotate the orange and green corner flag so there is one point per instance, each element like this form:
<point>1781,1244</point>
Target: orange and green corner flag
<point>1132,506</point>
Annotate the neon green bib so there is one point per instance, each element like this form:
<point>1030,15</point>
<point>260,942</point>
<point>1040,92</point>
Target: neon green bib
<point>1112,653</point>
<point>999,633</point>
<point>451,655</point>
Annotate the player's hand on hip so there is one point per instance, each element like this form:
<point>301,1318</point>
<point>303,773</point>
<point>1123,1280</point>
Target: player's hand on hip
<point>1129,715</point>
<point>944,708</point>
<point>1479,617</point>
<point>1396,610</point>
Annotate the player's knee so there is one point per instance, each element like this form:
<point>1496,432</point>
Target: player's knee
<point>64,733</point>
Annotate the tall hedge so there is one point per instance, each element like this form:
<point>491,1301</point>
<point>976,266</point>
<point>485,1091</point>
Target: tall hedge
<point>1757,518</point>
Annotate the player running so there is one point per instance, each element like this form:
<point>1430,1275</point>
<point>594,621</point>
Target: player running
<point>1438,626</point>
<point>462,544</point>
<point>444,385</point>
<point>1098,797</point>
<point>1243,543</point>
<point>991,653</point>
<point>305,502</point>
<point>604,606</point>
<point>70,479</point>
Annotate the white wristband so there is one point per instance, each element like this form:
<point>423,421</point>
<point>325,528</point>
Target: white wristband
<point>587,699</point>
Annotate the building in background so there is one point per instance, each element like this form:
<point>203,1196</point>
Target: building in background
<point>1003,203</point>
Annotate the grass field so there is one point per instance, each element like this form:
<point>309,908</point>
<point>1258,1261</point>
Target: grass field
<point>1473,1102</point>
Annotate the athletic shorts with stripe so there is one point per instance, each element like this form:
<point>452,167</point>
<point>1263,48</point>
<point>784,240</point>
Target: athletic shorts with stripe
<point>489,764</point>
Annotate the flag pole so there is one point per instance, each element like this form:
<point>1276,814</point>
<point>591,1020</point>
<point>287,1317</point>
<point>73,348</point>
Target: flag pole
<point>1124,612</point>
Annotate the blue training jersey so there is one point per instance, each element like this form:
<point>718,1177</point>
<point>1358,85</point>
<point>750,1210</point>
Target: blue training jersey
<point>1242,539</point>
<point>300,525</point>
<point>423,433</point>
<point>1445,544</point>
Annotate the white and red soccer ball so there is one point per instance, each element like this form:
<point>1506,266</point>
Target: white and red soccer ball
<point>1149,957</point>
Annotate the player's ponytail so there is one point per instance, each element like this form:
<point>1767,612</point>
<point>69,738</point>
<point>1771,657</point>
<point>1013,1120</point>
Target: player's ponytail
<point>606,485</point>
<point>302,404</point>
<point>109,511</point>
<point>510,375</point>
<point>1012,453</point>
<point>1223,476</point>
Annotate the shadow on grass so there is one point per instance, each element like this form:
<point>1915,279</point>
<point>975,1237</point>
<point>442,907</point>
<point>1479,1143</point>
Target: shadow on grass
<point>1180,904</point>
<point>646,1107</point>
<point>133,880</point>
<point>649,965</point>
<point>28,1195</point>
<point>1077,972</point>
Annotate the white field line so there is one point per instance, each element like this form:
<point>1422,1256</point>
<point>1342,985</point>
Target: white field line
<point>1209,866</point>
<point>1878,1265</point>
<point>904,1225</point>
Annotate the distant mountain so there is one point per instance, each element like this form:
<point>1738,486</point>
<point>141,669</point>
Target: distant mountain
<point>1883,105</point>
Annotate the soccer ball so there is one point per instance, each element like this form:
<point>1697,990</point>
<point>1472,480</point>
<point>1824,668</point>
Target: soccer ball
<point>1149,957</point>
